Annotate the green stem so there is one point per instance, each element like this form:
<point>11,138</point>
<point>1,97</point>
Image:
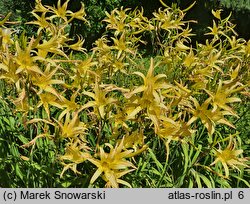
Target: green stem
<point>165,168</point>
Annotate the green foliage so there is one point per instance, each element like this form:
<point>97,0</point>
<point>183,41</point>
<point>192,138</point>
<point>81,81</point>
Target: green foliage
<point>110,118</point>
<point>238,5</point>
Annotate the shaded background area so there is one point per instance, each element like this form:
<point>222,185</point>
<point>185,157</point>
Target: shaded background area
<point>95,10</point>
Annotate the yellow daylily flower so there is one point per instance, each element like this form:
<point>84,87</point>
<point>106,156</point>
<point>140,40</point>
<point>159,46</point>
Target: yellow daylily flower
<point>229,157</point>
<point>217,13</point>
<point>26,60</point>
<point>45,81</point>
<point>52,45</point>
<point>113,164</point>
<point>39,7</point>
<point>72,127</point>
<point>47,99</point>
<point>42,21</point>
<point>222,97</point>
<point>5,37</point>
<point>69,105</point>
<point>209,117</point>
<point>79,14</point>
<point>75,153</point>
<point>61,10</point>
<point>78,46</point>
<point>121,45</point>
<point>151,84</point>
<point>100,99</point>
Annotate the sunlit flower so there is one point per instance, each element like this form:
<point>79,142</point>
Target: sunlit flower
<point>229,157</point>
<point>75,154</point>
<point>113,164</point>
